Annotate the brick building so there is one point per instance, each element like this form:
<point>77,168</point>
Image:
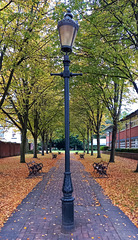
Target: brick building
<point>127,134</point>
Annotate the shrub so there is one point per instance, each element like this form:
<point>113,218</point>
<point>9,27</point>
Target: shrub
<point>94,147</point>
<point>31,151</point>
<point>104,148</point>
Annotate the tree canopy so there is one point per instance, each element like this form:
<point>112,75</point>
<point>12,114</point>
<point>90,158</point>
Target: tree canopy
<point>105,51</point>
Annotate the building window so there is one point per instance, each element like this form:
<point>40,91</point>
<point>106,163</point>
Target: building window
<point>122,144</point>
<point>13,134</point>
<point>1,133</point>
<point>134,123</point>
<point>123,126</point>
<point>136,143</point>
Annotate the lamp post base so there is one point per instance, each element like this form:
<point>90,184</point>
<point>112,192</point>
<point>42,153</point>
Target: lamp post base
<point>68,213</point>
<point>67,203</point>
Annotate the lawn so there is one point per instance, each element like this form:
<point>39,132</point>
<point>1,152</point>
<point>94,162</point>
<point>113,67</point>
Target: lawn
<point>15,184</point>
<point>121,185</point>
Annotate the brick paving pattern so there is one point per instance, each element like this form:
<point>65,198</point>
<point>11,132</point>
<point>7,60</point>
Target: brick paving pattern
<point>39,215</point>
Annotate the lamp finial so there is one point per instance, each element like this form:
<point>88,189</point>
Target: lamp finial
<point>68,14</point>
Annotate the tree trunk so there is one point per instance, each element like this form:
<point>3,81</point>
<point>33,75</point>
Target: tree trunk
<point>23,137</point>
<point>87,139</point>
<point>50,143</point>
<point>136,168</point>
<point>112,155</point>
<point>27,146</point>
<point>46,143</point>
<point>35,146</point>
<point>91,142</point>
<point>84,145</point>
<point>99,118</point>
<point>98,145</point>
<point>23,145</point>
<point>35,133</point>
<point>43,137</point>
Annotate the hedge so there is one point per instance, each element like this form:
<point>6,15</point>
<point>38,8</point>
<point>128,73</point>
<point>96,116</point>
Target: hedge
<point>104,148</point>
<point>131,150</point>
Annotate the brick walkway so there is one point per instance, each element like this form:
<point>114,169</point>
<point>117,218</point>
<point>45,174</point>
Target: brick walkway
<point>39,215</point>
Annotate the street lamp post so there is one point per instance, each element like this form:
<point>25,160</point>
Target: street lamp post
<point>67,31</point>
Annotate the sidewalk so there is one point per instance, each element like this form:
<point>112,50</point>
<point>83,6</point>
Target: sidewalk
<point>39,215</point>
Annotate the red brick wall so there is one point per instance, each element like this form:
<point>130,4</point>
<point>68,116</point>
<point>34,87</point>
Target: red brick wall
<point>109,139</point>
<point>9,149</point>
<point>134,131</point>
<point>124,134</point>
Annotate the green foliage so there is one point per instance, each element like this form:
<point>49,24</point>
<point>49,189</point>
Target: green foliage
<point>32,151</point>
<point>105,52</point>
<point>123,114</point>
<point>104,148</point>
<point>75,143</point>
<point>131,150</point>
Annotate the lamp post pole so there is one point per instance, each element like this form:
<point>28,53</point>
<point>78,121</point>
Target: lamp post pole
<point>67,31</point>
<point>67,189</point>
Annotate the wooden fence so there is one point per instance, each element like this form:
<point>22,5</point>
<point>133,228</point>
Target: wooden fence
<point>8,149</point>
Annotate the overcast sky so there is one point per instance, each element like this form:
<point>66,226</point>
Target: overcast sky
<point>130,105</point>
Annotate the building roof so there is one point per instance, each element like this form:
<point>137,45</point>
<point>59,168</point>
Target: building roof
<point>109,128</point>
<point>133,114</point>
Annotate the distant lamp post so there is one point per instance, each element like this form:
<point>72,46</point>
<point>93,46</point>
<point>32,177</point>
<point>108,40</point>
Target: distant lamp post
<point>67,31</point>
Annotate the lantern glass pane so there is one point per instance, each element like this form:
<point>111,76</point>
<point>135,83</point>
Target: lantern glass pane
<point>74,37</point>
<point>66,34</point>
